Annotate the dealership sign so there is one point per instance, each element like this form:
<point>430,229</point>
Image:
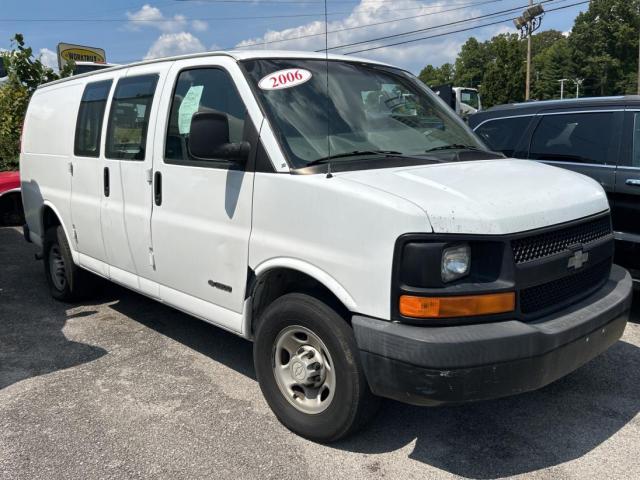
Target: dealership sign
<point>79,53</point>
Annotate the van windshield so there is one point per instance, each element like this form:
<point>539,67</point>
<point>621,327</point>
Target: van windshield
<point>370,111</point>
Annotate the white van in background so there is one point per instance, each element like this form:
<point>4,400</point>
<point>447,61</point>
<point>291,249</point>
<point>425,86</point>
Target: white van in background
<point>336,212</point>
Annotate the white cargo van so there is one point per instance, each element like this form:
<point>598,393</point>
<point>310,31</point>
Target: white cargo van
<point>334,211</point>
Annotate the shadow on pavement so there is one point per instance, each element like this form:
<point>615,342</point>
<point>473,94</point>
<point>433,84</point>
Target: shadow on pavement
<point>219,345</point>
<point>31,340</point>
<point>493,439</point>
<point>511,436</point>
<point>635,308</point>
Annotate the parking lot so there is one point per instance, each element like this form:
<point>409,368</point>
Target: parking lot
<point>123,387</point>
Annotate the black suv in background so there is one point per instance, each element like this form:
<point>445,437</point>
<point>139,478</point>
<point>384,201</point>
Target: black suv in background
<point>599,137</point>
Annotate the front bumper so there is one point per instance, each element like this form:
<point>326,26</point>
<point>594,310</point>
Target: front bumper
<point>446,365</point>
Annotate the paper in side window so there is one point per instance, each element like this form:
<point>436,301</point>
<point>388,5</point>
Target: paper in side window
<point>188,107</point>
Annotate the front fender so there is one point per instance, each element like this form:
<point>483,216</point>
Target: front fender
<point>309,269</point>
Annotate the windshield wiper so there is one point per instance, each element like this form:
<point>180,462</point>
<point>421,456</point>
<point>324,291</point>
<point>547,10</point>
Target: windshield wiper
<point>355,153</point>
<point>455,146</point>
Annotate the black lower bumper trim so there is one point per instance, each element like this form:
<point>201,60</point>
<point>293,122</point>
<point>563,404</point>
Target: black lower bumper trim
<point>423,386</point>
<point>442,365</point>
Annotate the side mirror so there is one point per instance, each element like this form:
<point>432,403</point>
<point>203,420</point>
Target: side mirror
<point>209,139</point>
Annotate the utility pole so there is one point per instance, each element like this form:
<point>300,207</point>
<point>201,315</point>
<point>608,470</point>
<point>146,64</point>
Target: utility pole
<point>562,87</point>
<point>527,93</point>
<point>528,23</point>
<point>578,82</point>
<point>639,66</point>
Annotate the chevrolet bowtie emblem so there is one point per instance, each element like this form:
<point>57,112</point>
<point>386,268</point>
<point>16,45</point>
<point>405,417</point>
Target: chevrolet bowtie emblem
<point>578,259</point>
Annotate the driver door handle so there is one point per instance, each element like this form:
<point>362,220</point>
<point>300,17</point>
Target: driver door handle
<point>634,182</point>
<point>157,188</point>
<point>106,181</point>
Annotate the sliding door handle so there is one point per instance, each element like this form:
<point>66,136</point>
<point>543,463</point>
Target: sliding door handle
<point>106,181</point>
<point>157,188</point>
<point>634,182</point>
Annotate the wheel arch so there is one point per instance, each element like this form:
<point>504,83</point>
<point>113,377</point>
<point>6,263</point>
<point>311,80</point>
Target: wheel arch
<point>277,277</point>
<point>11,200</point>
<point>50,217</point>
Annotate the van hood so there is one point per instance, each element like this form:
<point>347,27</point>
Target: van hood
<point>489,196</point>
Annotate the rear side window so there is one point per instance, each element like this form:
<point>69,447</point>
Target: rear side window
<point>202,90</point>
<point>504,135</point>
<point>129,117</point>
<point>90,118</point>
<point>576,137</point>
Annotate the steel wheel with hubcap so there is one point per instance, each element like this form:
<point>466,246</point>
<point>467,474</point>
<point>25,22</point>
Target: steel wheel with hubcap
<point>56,268</point>
<point>308,367</point>
<point>67,282</point>
<point>303,369</point>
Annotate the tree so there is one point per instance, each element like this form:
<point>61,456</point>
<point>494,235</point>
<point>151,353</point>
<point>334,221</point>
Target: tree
<point>471,64</point>
<point>432,76</point>
<point>551,65</point>
<point>503,80</point>
<point>602,49</point>
<point>604,45</point>
<point>25,72</point>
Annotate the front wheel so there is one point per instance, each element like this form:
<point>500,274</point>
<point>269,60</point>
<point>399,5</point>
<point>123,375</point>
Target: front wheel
<point>308,366</point>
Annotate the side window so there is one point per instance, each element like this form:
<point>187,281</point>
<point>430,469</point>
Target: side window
<point>90,118</point>
<point>575,137</point>
<point>201,90</point>
<point>636,141</point>
<point>504,135</point>
<point>129,117</point>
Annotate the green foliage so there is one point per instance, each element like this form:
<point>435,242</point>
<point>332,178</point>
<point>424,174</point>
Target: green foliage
<point>505,72</point>
<point>433,76</point>
<point>13,105</point>
<point>471,64</point>
<point>604,41</point>
<point>602,49</point>
<point>25,72</point>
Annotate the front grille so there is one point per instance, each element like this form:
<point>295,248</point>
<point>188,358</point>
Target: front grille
<point>549,243</point>
<point>563,291</point>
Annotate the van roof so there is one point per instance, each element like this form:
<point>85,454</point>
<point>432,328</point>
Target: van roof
<point>236,54</point>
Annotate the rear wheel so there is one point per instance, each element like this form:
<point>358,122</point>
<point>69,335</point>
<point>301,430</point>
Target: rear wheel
<point>67,282</point>
<point>308,366</point>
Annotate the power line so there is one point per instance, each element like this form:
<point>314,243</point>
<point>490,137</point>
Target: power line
<point>288,2</point>
<point>458,31</point>
<point>460,7</point>
<point>242,17</point>
<point>412,32</point>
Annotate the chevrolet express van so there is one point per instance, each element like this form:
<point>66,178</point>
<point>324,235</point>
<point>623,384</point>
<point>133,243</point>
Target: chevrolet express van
<point>335,212</point>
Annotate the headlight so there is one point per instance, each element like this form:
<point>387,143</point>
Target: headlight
<point>456,262</point>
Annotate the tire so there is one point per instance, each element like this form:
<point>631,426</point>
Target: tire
<point>342,403</point>
<point>67,282</point>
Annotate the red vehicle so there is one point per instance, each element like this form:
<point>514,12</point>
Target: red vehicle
<point>11,212</point>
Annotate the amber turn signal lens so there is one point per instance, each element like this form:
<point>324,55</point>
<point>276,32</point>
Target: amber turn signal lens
<point>449,307</point>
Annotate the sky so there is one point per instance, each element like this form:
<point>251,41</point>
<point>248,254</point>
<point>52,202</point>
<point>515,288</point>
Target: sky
<point>131,30</point>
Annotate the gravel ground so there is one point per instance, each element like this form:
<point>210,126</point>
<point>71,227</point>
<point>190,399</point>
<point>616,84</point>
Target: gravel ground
<point>123,387</point>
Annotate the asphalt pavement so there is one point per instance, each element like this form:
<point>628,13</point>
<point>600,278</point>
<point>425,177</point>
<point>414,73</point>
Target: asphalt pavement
<point>122,387</point>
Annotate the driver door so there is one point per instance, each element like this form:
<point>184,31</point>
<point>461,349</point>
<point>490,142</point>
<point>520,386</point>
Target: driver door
<point>201,218</point>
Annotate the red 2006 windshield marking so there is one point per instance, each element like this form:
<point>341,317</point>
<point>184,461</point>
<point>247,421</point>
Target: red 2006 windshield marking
<point>282,79</point>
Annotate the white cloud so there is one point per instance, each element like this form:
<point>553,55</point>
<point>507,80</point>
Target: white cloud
<point>412,55</point>
<point>169,44</point>
<point>149,16</point>
<point>199,25</point>
<point>49,58</point>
